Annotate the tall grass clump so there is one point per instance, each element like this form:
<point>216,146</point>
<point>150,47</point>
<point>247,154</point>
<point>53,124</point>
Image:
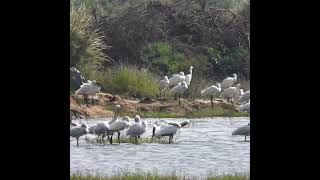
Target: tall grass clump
<point>129,80</point>
<point>86,41</point>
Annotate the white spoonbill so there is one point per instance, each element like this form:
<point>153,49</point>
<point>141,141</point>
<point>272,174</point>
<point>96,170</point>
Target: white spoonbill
<point>228,82</point>
<point>117,126</point>
<point>164,84</point>
<point>87,89</point>
<point>100,129</point>
<point>242,131</point>
<point>137,128</point>
<point>77,132</point>
<point>94,90</point>
<point>211,91</point>
<point>84,90</point>
<point>169,130</point>
<point>177,78</point>
<point>245,97</point>
<point>230,92</point>
<point>238,95</point>
<point>180,88</point>
<point>189,76</point>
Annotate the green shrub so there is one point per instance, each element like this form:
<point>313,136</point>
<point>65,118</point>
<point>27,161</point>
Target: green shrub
<point>129,81</point>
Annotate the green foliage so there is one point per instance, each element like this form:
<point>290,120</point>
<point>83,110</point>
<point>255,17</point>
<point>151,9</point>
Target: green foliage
<point>86,42</point>
<point>165,60</point>
<point>129,81</point>
<point>236,60</point>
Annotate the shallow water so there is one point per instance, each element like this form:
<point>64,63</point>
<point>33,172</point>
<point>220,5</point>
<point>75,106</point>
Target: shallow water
<point>204,147</point>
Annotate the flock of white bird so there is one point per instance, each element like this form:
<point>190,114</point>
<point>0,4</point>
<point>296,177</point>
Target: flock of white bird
<point>180,84</point>
<point>133,129</point>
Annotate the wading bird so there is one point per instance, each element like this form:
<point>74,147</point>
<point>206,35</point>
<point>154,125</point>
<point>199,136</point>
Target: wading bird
<point>169,130</point>
<point>77,132</point>
<point>137,128</point>
<point>242,131</point>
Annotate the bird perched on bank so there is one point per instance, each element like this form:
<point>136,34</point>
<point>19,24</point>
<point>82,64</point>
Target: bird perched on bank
<point>177,78</point>
<point>230,92</point>
<point>164,84</point>
<point>238,95</point>
<point>180,88</point>
<point>245,97</point>
<point>189,76</point>
<point>245,107</point>
<point>88,89</point>
<point>211,91</point>
<point>228,82</point>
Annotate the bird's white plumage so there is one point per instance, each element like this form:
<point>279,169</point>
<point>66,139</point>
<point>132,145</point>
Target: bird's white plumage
<point>101,128</point>
<point>228,82</point>
<point>91,129</point>
<point>137,128</point>
<point>242,131</point>
<point>177,78</point>
<point>230,92</point>
<point>164,83</point>
<point>84,89</point>
<point>118,125</point>
<point>211,90</point>
<point>180,88</point>
<point>78,131</point>
<point>168,130</point>
<point>189,76</point>
<point>238,95</point>
<point>245,97</point>
<point>245,107</point>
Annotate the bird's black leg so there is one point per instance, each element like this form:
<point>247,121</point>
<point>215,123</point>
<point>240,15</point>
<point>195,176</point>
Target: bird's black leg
<point>179,98</point>
<point>77,141</point>
<point>211,101</point>
<point>102,140</point>
<point>119,137</point>
<point>111,139</point>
